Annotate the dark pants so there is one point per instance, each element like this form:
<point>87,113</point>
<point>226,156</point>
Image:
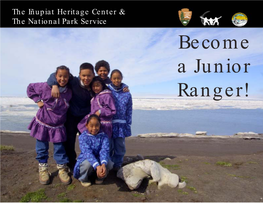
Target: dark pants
<point>72,130</point>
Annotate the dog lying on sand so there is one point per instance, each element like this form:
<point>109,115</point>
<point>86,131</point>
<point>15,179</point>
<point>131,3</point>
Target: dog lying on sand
<point>134,173</point>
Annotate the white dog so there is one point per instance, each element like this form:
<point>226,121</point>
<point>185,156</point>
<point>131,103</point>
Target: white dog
<point>134,173</point>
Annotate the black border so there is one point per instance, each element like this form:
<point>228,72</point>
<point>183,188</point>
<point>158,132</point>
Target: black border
<point>138,13</point>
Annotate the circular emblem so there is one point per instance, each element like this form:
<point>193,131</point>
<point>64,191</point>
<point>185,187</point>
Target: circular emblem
<point>239,19</point>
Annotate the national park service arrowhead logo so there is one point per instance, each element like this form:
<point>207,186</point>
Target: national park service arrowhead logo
<point>185,16</point>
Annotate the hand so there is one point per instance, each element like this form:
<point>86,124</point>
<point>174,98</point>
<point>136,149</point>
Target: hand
<point>98,113</point>
<point>103,170</point>
<point>126,89</point>
<point>98,171</point>
<point>55,91</point>
<point>40,104</point>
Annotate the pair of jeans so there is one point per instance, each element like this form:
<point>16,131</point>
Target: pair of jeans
<point>117,151</point>
<point>59,152</point>
<point>86,169</point>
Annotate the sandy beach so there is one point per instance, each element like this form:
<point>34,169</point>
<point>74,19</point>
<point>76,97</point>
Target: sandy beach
<point>215,170</point>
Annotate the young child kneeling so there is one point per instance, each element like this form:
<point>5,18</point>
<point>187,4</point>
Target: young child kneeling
<point>94,156</point>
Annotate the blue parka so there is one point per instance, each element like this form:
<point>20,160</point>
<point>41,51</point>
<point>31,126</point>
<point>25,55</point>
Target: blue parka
<point>122,120</point>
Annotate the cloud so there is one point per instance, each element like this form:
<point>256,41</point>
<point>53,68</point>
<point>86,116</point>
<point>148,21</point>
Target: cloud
<point>144,55</point>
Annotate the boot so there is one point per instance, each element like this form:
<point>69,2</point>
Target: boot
<point>63,174</point>
<point>99,181</point>
<point>44,176</point>
<point>86,184</point>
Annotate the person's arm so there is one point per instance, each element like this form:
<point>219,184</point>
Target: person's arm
<point>108,109</point>
<point>85,147</point>
<point>55,91</point>
<point>82,124</point>
<point>104,156</point>
<point>101,171</point>
<point>129,111</point>
<point>105,150</point>
<point>126,88</point>
<point>52,82</point>
<point>34,91</point>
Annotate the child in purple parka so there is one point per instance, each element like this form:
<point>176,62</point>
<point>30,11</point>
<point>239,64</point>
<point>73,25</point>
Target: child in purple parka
<point>121,123</point>
<point>79,105</point>
<point>48,124</point>
<point>102,104</point>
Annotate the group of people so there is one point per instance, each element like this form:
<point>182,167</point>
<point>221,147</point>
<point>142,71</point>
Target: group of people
<point>99,108</point>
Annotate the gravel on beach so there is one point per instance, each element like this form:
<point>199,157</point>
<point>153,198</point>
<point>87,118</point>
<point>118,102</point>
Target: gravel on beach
<point>215,170</point>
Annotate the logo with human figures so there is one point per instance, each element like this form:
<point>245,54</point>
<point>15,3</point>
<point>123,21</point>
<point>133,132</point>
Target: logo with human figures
<point>185,16</point>
<point>209,21</point>
<point>239,19</point>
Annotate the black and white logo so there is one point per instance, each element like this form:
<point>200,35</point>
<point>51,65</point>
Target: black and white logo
<point>209,20</point>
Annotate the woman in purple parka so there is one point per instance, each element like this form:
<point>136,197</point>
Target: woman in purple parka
<point>48,124</point>
<point>102,104</point>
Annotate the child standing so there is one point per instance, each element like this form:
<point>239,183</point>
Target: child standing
<point>121,123</point>
<point>94,156</point>
<point>48,124</point>
<point>102,68</point>
<point>79,105</point>
<point>102,104</point>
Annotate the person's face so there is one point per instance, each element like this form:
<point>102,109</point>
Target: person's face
<point>62,77</point>
<point>93,126</point>
<point>103,72</point>
<point>116,79</point>
<point>97,87</point>
<point>86,76</point>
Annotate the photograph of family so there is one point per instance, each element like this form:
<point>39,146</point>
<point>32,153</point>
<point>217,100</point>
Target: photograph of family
<point>97,114</point>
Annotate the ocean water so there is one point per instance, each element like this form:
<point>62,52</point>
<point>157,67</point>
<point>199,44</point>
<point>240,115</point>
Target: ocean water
<point>214,121</point>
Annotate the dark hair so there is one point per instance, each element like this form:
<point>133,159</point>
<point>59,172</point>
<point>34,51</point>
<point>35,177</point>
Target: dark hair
<point>114,71</point>
<point>97,78</point>
<point>93,116</point>
<point>86,66</point>
<point>63,68</point>
<point>102,63</point>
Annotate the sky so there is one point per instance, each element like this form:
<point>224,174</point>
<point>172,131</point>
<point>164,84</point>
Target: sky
<point>147,57</point>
